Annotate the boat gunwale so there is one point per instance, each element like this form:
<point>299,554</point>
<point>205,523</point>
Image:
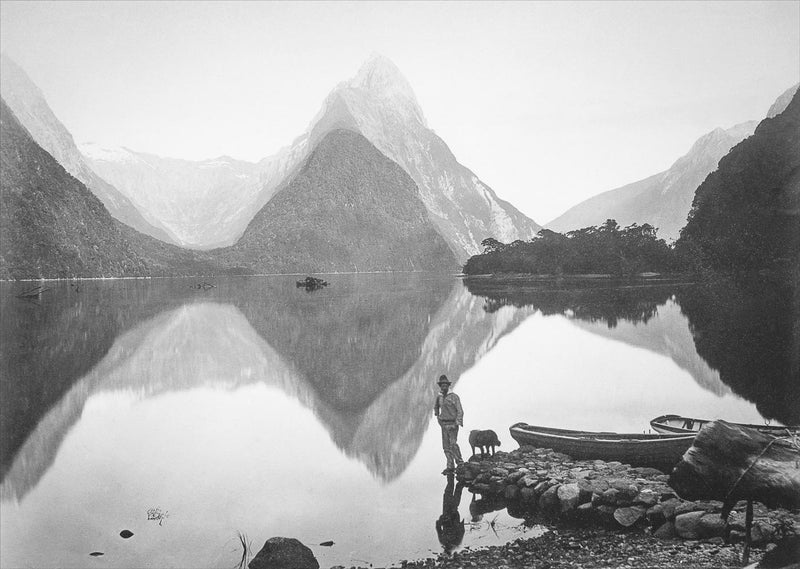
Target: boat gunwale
<point>764,429</point>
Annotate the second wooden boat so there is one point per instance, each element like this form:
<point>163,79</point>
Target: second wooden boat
<point>676,424</point>
<point>657,450</point>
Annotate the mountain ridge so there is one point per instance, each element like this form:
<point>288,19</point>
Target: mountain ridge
<point>664,199</point>
<point>30,108</point>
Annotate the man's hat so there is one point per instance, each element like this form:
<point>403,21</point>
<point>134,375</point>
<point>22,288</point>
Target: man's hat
<point>443,380</point>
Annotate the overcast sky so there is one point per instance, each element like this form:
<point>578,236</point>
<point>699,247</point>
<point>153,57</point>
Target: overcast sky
<point>548,103</point>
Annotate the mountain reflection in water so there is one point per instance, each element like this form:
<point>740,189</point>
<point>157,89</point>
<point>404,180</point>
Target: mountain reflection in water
<point>744,337</point>
<point>362,360</point>
<point>257,407</point>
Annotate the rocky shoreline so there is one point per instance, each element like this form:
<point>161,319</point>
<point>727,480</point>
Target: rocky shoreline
<point>607,514</point>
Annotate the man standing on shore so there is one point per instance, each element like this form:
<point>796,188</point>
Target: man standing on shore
<point>451,416</point>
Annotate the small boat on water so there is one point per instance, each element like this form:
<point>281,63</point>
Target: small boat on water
<point>657,450</point>
<point>676,424</point>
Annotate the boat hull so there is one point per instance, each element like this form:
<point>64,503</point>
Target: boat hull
<point>657,450</point>
<point>676,424</point>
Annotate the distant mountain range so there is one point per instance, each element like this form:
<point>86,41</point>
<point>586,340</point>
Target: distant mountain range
<point>402,203</point>
<point>663,200</point>
<point>367,187</point>
<point>210,203</point>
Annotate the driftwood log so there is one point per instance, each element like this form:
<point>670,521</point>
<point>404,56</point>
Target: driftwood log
<point>731,463</point>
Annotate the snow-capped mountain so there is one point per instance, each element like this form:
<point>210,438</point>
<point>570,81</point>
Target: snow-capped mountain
<point>28,104</point>
<point>664,199</point>
<point>204,203</point>
<point>377,102</point>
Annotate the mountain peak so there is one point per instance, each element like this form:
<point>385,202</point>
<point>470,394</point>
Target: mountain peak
<point>379,78</point>
<point>376,72</point>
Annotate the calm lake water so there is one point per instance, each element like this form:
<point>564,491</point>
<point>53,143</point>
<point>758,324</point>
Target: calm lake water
<point>259,408</point>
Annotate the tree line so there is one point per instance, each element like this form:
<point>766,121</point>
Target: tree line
<point>603,249</point>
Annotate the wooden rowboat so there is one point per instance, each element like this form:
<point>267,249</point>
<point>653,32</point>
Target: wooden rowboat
<point>676,424</point>
<point>657,450</point>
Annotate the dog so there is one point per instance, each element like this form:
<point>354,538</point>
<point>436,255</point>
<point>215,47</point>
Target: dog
<point>484,440</point>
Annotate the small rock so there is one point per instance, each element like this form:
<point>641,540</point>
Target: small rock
<point>688,525</point>
<point>655,515</point>
<point>568,495</point>
<point>548,502</point>
<point>762,532</point>
<point>527,494</point>
<point>647,497</point>
<point>666,531</point>
<point>711,525</point>
<point>511,492</point>
<point>610,497</point>
<point>629,516</point>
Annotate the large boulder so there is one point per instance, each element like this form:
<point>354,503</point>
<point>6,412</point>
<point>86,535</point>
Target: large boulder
<point>284,553</point>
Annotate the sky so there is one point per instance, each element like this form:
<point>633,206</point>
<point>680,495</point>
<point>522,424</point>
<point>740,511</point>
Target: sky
<point>548,103</point>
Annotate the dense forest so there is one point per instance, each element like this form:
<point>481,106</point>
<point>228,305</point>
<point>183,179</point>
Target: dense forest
<point>603,249</point>
<point>745,220</point>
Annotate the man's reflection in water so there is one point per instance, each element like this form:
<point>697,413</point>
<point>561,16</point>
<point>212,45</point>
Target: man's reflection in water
<point>450,526</point>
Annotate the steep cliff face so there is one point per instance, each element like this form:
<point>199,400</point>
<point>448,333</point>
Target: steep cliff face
<point>664,199</point>
<point>746,215</point>
<point>347,208</point>
<point>30,107</point>
<point>52,226</point>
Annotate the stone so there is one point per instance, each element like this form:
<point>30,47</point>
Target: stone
<point>527,481</point>
<point>666,531</point>
<point>626,517</point>
<point>499,472</point>
<point>627,491</point>
<point>527,494</point>
<point>688,525</point>
<point>284,553</point>
<point>541,487</point>
<point>703,505</point>
<point>584,511</point>
<point>514,476</point>
<point>655,515</point>
<point>586,491</point>
<point>646,497</point>
<point>669,507</point>
<point>548,502</point>
<point>736,536</point>
<point>711,525</point>
<point>609,497</point>
<point>762,532</point>
<point>568,495</point>
<point>511,492</point>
